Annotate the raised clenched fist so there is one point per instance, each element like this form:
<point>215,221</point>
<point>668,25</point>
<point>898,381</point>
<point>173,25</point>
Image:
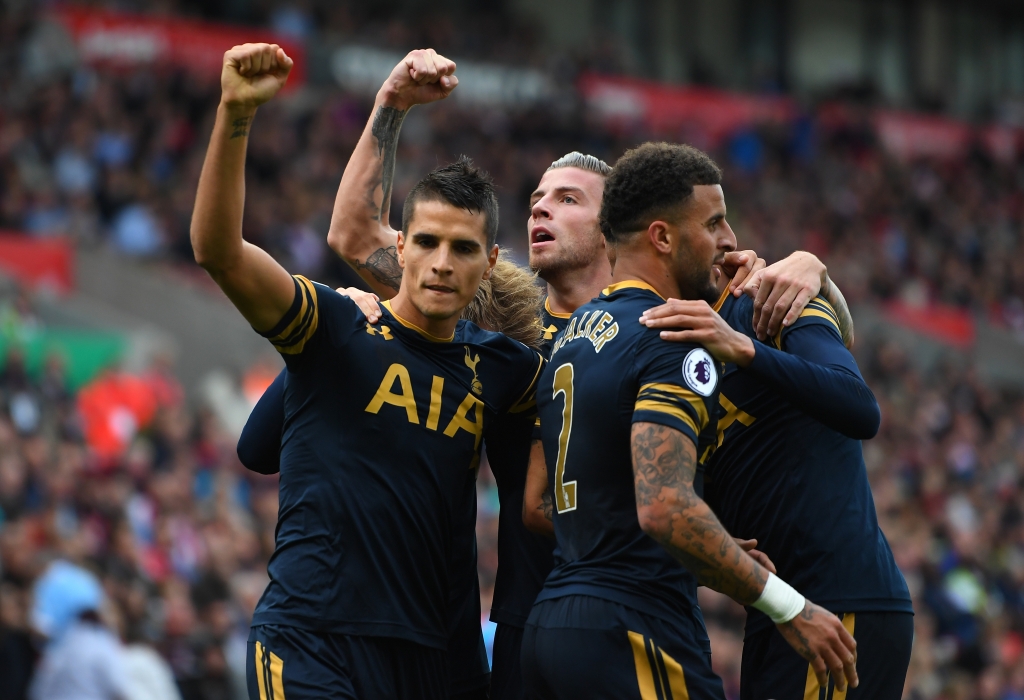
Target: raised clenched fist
<point>252,74</point>
<point>423,76</point>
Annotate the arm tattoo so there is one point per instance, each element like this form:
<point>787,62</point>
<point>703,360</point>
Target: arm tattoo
<point>835,297</point>
<point>383,265</point>
<point>545,506</point>
<point>239,127</point>
<point>387,123</point>
<point>664,467</point>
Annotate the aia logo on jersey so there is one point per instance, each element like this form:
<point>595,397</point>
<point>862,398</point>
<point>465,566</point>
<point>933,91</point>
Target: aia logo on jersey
<point>700,372</point>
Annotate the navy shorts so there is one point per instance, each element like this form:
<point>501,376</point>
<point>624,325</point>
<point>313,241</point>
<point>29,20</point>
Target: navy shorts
<point>585,647</point>
<point>506,671</point>
<point>288,663</point>
<point>772,670</point>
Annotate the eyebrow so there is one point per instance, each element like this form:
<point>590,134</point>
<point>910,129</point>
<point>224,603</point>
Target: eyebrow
<point>538,194</point>
<point>425,235</point>
<point>715,218</point>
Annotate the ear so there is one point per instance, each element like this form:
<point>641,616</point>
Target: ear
<point>492,260</point>
<point>661,236</point>
<point>401,249</point>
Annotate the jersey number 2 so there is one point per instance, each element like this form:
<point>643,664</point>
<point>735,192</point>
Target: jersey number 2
<point>565,491</point>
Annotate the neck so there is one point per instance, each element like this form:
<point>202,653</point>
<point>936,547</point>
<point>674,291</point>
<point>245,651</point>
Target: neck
<point>571,289</point>
<point>442,329</point>
<point>641,265</point>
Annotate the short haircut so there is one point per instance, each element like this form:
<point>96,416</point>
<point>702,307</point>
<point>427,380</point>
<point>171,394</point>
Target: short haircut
<point>649,182</point>
<point>583,162</point>
<point>508,302</point>
<point>460,184</point>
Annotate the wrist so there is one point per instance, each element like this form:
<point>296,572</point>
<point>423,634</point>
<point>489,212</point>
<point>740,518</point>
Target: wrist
<point>387,96</point>
<point>744,352</point>
<point>779,601</point>
<point>237,110</point>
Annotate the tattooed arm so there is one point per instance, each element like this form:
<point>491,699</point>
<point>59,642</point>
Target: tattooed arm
<point>360,232</point>
<point>257,285</point>
<point>538,512</point>
<point>670,511</point>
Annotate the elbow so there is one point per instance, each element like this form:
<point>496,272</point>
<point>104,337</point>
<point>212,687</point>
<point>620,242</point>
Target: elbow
<point>344,242</point>
<point>655,521</point>
<point>871,420</point>
<point>536,521</point>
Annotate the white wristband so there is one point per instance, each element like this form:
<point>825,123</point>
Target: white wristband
<point>779,600</point>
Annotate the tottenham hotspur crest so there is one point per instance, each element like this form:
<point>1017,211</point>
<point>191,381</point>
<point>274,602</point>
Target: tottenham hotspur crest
<point>471,362</point>
<point>700,372</point>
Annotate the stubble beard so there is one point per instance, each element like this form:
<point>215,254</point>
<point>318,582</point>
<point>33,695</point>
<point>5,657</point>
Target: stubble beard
<point>575,256</point>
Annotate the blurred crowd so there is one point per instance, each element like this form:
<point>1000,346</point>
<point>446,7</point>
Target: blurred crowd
<point>179,534</point>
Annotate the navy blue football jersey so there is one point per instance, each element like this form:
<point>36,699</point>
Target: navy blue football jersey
<point>606,372</point>
<point>524,558</point>
<point>780,475</point>
<point>382,436</point>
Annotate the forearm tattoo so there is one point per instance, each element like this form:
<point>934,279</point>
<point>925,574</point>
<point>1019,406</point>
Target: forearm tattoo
<point>838,302</point>
<point>545,506</point>
<point>240,127</point>
<point>387,124</point>
<point>663,470</point>
<point>383,265</point>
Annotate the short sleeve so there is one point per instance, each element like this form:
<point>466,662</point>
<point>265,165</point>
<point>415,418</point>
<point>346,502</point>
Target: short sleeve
<point>818,312</point>
<point>299,324</point>
<point>526,403</point>
<point>678,385</point>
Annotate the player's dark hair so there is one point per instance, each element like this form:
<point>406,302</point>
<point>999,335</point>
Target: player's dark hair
<point>652,182</point>
<point>462,185</point>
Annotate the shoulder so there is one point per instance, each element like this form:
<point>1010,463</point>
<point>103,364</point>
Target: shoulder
<point>818,312</point>
<point>688,364</point>
<point>738,313</point>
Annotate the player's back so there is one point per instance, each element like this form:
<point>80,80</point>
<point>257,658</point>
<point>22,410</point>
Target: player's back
<point>383,428</point>
<point>606,372</point>
<point>801,488</point>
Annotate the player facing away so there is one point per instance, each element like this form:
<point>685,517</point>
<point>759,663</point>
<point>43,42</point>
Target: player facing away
<point>628,419</point>
<point>383,422</point>
<point>507,302</point>
<point>789,471</point>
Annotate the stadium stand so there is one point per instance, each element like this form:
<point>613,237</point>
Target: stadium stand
<point>129,475</point>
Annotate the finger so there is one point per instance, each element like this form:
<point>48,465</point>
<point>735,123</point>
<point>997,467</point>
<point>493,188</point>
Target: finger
<point>782,307</point>
<point>763,559</point>
<point>675,306</point>
<point>444,65</point>
<point>850,670</point>
<point>682,336</point>
<point>767,308</point>
<point>675,321</point>
<point>835,667</point>
<point>763,291</point>
<point>745,545</point>
<point>284,59</point>
<point>753,283</point>
<point>820,671</point>
<point>797,307</point>
<point>430,66</point>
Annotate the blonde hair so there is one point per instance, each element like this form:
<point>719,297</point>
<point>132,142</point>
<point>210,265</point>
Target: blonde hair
<point>582,161</point>
<point>508,302</point>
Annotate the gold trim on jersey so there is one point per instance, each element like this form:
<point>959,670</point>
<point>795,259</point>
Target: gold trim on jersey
<point>668,409</point>
<point>529,398</point>
<point>293,338</point>
<point>649,392</point>
<point>629,284</point>
<point>658,675</point>
<point>412,326</point>
<point>818,308</point>
<point>732,414</point>
<point>721,300</point>
<point>547,307</point>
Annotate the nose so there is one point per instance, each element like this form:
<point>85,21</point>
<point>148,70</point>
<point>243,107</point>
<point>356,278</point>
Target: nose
<point>541,209</point>
<point>727,241</point>
<point>442,262</point>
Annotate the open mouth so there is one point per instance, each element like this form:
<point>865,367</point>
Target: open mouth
<point>440,288</point>
<point>541,235</point>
